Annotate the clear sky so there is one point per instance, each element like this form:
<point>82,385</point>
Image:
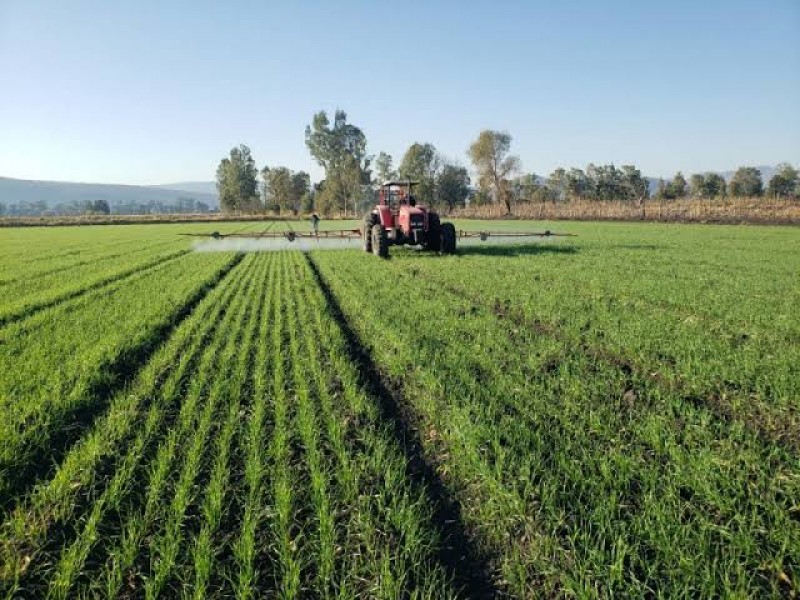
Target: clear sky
<point>157,91</point>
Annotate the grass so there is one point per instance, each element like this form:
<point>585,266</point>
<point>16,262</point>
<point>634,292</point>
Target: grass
<point>608,415</point>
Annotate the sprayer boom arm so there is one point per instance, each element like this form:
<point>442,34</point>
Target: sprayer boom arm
<point>282,235</point>
<point>292,235</point>
<point>484,235</point>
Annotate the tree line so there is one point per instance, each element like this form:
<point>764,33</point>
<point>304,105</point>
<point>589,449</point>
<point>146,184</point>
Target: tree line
<point>746,182</point>
<point>352,177</point>
<point>182,205</point>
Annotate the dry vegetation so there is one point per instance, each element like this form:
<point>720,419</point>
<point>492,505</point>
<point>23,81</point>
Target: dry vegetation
<point>785,211</point>
<point>777,211</point>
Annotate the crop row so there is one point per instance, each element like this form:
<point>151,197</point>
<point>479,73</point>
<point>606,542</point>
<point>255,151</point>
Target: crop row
<point>61,365</point>
<point>740,371</point>
<point>578,476</point>
<point>73,263</point>
<point>30,296</point>
<point>246,458</point>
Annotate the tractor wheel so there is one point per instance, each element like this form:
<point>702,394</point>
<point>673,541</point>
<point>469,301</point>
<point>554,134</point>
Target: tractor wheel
<point>366,233</point>
<point>380,244</point>
<point>448,238</point>
<point>433,240</point>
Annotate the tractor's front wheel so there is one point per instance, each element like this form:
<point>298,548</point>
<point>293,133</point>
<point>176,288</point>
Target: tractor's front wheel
<point>366,234</point>
<point>448,238</point>
<point>380,243</point>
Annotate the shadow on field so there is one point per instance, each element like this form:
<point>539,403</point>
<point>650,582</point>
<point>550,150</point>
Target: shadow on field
<point>637,247</point>
<point>514,250</point>
<point>40,459</point>
<point>457,554</point>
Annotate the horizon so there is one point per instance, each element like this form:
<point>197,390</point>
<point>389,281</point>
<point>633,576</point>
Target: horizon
<point>142,95</point>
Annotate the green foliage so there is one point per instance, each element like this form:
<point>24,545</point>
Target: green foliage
<point>284,190</point>
<point>785,182</point>
<point>578,185</point>
<point>236,181</point>
<point>709,185</point>
<point>452,185</point>
<point>557,183</point>
<point>383,168</point>
<point>526,187</point>
<point>340,148</point>
<point>495,166</point>
<point>678,188</point>
<point>746,182</point>
<point>308,202</point>
<point>610,183</point>
<point>605,182</point>
<point>97,207</point>
<point>421,163</point>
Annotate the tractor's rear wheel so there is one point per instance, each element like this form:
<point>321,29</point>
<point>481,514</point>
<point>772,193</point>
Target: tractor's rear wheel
<point>433,240</point>
<point>448,238</point>
<point>380,244</point>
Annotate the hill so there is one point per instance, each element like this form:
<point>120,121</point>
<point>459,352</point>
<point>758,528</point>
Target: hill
<point>195,187</point>
<point>55,193</point>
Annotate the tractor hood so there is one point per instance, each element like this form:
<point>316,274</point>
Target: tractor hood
<point>420,209</point>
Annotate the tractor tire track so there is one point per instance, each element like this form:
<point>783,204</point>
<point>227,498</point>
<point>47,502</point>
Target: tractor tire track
<point>36,307</point>
<point>22,476</point>
<point>457,554</point>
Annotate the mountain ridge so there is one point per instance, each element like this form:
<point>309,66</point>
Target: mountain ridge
<point>54,193</point>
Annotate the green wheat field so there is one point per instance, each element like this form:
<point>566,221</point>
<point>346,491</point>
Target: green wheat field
<point>615,414</point>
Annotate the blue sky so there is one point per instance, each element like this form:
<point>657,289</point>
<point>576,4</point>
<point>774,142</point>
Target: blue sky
<point>154,92</point>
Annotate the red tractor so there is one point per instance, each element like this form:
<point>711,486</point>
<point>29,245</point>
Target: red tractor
<point>399,220</point>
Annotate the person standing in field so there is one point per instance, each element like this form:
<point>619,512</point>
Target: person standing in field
<point>315,224</point>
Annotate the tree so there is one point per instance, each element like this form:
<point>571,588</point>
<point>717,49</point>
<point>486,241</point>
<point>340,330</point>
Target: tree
<point>577,184</point>
<point>421,163</point>
<point>662,191</point>
<point>490,155</point>
<point>785,181</point>
<point>307,202</point>
<point>697,183</point>
<point>236,180</point>
<point>340,149</point>
<point>383,168</point>
<point>90,207</point>
<point>283,189</point>
<point>479,197</point>
<point>634,186</point>
<point>557,183</point>
<point>710,185</point>
<point>677,188</point>
<point>527,186</point>
<point>301,184</point>
<point>746,181</point>
<point>278,192</point>
<point>715,185</point>
<point>453,185</point>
